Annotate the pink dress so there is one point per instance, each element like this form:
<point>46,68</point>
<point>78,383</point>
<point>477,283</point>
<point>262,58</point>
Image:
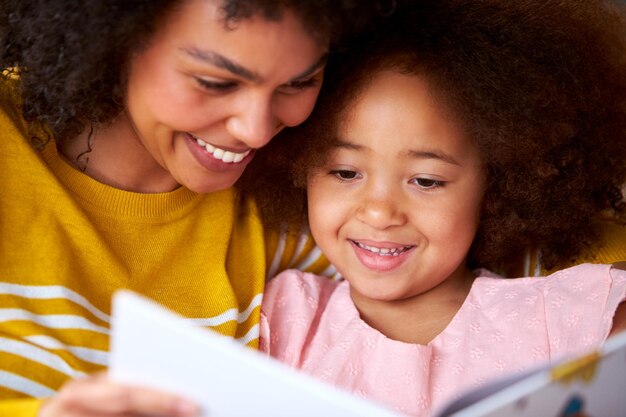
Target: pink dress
<point>504,326</point>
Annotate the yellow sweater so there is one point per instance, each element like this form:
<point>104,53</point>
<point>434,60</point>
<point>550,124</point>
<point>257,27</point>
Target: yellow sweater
<point>67,242</point>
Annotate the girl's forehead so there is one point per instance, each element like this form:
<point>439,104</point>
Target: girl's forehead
<point>397,113</point>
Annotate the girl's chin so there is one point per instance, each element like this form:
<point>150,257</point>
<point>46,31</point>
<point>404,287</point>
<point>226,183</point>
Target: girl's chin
<point>377,293</point>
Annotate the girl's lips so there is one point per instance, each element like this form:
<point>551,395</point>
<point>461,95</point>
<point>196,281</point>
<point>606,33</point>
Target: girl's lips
<point>387,258</point>
<point>208,161</point>
<point>383,248</point>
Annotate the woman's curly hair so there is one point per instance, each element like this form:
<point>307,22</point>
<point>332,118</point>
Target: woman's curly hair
<point>540,87</point>
<point>72,54</point>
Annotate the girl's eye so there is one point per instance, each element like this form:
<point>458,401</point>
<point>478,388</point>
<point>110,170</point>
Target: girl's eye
<point>427,183</point>
<point>216,86</point>
<point>344,174</point>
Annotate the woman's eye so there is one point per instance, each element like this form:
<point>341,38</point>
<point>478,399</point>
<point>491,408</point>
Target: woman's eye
<point>427,183</point>
<point>295,86</point>
<point>344,174</point>
<point>219,86</point>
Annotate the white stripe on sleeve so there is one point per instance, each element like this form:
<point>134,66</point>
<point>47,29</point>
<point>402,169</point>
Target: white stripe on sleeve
<point>51,292</point>
<point>95,356</point>
<point>52,321</point>
<point>39,355</point>
<point>23,385</point>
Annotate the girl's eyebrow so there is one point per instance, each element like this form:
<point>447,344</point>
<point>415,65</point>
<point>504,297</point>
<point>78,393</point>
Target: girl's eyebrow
<point>417,154</point>
<point>340,143</point>
<point>433,154</point>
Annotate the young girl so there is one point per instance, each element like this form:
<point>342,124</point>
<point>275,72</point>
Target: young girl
<point>465,131</point>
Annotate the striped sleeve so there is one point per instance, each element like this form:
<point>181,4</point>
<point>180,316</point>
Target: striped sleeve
<point>289,250</point>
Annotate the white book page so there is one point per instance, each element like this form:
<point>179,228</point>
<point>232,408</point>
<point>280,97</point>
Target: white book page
<point>151,346</point>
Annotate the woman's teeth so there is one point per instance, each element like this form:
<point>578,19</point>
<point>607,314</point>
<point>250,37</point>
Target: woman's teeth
<point>221,154</point>
<point>383,251</point>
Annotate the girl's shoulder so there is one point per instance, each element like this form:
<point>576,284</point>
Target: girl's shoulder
<point>293,304</point>
<point>299,290</point>
<point>574,306</point>
<point>584,283</point>
<point>582,275</point>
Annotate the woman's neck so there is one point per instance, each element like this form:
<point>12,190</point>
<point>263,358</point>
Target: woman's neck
<point>113,154</point>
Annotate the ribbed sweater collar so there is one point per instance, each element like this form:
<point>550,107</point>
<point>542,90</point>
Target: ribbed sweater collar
<point>113,200</point>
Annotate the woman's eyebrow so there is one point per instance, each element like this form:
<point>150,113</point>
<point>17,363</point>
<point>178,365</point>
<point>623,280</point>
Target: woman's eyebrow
<point>221,61</point>
<point>319,64</point>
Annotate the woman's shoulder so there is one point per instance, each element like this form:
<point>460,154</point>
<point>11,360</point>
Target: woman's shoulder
<point>9,95</point>
<point>293,247</point>
<point>12,122</point>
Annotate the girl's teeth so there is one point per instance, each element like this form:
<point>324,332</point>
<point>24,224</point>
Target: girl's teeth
<point>222,155</point>
<point>383,251</point>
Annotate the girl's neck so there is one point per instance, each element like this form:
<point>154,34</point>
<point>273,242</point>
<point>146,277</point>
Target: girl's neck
<point>418,319</point>
<point>113,154</point>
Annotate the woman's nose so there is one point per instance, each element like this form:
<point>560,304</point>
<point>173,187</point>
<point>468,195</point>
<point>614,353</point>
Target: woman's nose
<point>255,123</point>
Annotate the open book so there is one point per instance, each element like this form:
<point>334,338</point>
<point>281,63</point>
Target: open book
<point>593,385</point>
<point>152,346</point>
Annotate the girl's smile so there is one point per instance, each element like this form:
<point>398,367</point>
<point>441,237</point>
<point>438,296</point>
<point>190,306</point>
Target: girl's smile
<point>381,256</point>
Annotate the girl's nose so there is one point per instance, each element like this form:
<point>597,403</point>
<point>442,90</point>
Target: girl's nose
<point>381,213</point>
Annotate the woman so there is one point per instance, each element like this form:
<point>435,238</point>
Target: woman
<point>123,127</point>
